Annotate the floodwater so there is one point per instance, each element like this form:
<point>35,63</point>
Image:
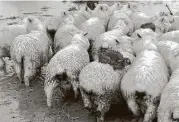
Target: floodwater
<point>20,104</point>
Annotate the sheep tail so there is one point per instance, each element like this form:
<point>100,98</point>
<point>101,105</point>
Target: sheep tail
<point>22,68</point>
<point>51,84</point>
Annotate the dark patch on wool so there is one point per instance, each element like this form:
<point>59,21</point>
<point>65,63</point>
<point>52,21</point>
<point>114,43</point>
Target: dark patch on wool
<point>148,25</point>
<point>113,58</point>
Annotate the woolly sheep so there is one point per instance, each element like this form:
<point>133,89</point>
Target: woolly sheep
<point>117,15</point>
<point>140,18</point>
<point>168,107</point>
<point>81,16</point>
<point>169,50</point>
<point>53,23</point>
<point>94,27</point>
<point>117,43</point>
<point>129,8</point>
<point>143,43</point>
<point>64,35</point>
<point>172,35</point>
<point>101,11</point>
<point>8,33</point>
<point>66,65</point>
<point>143,83</point>
<point>116,6</point>
<point>29,52</point>
<point>113,39</point>
<point>99,86</point>
<point>122,44</point>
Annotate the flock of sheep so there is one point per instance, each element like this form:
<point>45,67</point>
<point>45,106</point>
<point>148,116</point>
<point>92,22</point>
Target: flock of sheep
<point>106,55</point>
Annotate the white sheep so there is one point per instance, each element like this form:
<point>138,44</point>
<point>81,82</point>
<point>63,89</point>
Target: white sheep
<point>116,6</point>
<point>54,23</point>
<point>130,8</point>
<point>66,65</point>
<point>101,11</point>
<point>143,43</point>
<point>168,108</point>
<point>64,35</point>
<point>81,16</point>
<point>100,87</point>
<point>140,18</point>
<point>111,39</point>
<point>169,50</point>
<point>94,27</point>
<point>29,52</point>
<point>143,83</point>
<point>118,15</point>
<point>8,33</point>
<point>172,35</point>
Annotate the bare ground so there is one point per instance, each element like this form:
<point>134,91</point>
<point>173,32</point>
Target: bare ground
<point>21,104</point>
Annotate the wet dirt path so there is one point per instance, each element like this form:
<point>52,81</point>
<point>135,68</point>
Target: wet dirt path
<point>21,104</point>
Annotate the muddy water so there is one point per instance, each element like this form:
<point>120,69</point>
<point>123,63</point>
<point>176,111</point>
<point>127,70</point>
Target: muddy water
<point>20,104</point>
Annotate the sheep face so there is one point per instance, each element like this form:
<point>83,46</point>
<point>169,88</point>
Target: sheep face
<point>32,24</point>
<point>144,43</point>
<point>162,25</point>
<point>143,33</point>
<point>81,39</point>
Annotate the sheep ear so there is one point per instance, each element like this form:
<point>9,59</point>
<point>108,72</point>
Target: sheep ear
<point>64,13</point>
<point>161,13</point>
<point>95,4</point>
<point>101,8</point>
<point>117,41</point>
<point>71,33</point>
<point>162,19</point>
<point>128,5</point>
<point>85,34</point>
<point>86,8</point>
<point>29,19</point>
<point>139,35</point>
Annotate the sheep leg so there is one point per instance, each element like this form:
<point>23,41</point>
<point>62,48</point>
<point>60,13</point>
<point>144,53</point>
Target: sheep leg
<point>3,66</point>
<point>18,70</point>
<point>86,99</point>
<point>102,109</point>
<point>28,72</point>
<point>75,87</point>
<point>134,108</point>
<point>150,113</point>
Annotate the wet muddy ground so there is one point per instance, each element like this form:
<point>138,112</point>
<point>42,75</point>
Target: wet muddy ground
<point>21,104</point>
